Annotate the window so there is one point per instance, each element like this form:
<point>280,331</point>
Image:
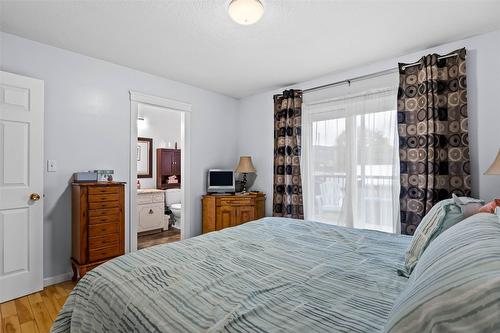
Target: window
<point>350,159</point>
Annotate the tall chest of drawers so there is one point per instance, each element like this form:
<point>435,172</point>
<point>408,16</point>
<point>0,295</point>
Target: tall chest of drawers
<point>98,224</point>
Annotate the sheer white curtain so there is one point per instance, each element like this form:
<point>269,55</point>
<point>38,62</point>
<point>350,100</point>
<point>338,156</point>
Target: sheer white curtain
<point>351,160</point>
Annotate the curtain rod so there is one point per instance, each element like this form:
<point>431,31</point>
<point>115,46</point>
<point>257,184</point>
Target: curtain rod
<point>439,58</point>
<point>372,75</point>
<point>357,78</point>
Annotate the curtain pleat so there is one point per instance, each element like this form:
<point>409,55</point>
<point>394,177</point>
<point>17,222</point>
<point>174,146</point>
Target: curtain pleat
<point>433,135</point>
<point>287,185</point>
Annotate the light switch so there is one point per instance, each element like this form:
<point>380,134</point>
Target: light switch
<point>51,166</point>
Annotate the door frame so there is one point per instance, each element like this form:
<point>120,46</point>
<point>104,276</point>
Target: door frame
<point>137,98</point>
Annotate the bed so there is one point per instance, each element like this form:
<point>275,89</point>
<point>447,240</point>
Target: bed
<point>270,275</point>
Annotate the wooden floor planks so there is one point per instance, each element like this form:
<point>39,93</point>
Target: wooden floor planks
<point>147,239</point>
<point>35,312</point>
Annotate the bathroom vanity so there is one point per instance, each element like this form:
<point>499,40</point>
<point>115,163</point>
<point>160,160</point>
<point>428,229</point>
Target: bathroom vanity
<point>151,210</point>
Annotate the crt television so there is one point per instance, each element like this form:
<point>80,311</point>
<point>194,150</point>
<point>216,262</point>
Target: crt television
<point>220,181</point>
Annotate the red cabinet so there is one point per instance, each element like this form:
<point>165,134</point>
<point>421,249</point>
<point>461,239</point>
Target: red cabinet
<point>168,163</point>
<point>176,163</point>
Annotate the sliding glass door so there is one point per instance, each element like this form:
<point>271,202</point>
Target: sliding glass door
<point>351,161</point>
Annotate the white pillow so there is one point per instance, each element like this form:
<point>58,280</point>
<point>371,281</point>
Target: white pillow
<point>442,215</point>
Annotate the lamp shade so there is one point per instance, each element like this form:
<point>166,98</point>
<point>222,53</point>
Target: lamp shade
<point>494,169</point>
<point>245,165</point>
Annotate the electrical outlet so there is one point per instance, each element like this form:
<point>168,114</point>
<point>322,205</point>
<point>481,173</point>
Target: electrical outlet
<point>51,166</point>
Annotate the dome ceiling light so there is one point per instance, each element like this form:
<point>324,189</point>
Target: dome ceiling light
<point>245,12</point>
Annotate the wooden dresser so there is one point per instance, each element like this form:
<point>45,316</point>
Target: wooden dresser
<point>98,224</point>
<point>223,211</point>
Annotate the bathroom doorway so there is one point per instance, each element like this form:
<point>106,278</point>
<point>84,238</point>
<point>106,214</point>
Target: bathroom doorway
<point>159,163</point>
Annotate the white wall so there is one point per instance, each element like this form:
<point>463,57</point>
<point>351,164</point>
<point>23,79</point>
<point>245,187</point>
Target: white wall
<point>87,127</point>
<point>483,76</point>
<point>164,127</point>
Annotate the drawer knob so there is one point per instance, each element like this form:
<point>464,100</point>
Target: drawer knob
<point>151,211</point>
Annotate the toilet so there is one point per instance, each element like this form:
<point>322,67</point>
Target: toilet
<point>173,201</point>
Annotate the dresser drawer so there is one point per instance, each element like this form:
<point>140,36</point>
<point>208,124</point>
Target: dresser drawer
<point>103,241</point>
<point>147,198</point>
<point>105,211</point>
<point>158,198</point>
<point>103,197</point>
<point>104,190</point>
<point>102,229</point>
<point>236,202</point>
<point>103,219</point>
<point>103,204</point>
<point>103,253</point>
<point>144,199</point>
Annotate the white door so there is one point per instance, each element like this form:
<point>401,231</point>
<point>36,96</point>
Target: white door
<point>21,185</point>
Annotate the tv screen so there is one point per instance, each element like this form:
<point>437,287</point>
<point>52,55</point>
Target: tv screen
<point>221,178</point>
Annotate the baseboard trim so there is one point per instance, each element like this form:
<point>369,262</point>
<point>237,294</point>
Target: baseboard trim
<point>57,279</point>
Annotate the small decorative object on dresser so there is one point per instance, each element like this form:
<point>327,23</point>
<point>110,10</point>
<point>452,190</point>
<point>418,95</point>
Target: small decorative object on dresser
<point>104,175</point>
<point>223,211</point>
<point>81,177</point>
<point>151,209</point>
<point>98,224</point>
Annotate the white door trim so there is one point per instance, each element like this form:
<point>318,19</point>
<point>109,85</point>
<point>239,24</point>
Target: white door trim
<point>137,98</point>
<point>159,101</point>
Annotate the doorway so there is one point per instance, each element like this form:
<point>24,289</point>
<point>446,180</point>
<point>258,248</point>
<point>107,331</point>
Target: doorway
<point>159,171</point>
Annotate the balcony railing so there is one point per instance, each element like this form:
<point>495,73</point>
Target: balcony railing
<point>373,195</point>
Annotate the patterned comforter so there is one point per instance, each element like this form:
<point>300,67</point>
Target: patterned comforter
<point>270,275</point>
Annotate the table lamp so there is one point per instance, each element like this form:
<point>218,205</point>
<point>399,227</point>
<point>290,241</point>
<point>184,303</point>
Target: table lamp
<point>245,167</point>
<point>494,169</point>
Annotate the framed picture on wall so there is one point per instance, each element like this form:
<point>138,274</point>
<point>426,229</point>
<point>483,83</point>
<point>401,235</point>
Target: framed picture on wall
<point>144,158</point>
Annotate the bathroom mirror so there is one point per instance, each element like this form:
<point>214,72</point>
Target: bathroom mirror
<point>144,158</point>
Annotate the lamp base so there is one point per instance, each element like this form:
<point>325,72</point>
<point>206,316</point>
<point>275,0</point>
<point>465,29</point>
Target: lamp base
<point>244,183</point>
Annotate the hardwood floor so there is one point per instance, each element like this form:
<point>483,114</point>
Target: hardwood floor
<point>167,236</point>
<point>35,312</point>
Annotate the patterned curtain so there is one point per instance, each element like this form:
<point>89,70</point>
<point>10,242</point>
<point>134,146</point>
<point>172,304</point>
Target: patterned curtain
<point>433,135</point>
<point>287,194</point>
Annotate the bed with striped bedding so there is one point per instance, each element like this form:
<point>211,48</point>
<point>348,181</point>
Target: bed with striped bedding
<point>270,275</point>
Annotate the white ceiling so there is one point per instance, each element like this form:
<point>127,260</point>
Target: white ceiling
<point>197,43</point>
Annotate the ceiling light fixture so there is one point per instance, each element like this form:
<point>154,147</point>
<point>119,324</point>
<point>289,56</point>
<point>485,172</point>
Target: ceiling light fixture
<point>245,12</point>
